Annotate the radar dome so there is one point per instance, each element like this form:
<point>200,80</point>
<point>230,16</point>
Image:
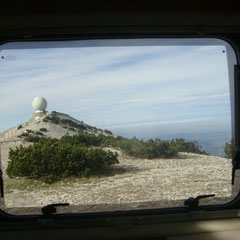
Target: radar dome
<point>39,104</point>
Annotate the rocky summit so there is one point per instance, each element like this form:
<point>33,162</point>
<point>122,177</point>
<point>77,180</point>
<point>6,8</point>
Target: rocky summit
<point>50,124</point>
<point>43,124</point>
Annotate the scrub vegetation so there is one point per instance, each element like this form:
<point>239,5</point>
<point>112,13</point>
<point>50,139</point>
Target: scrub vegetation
<point>82,155</point>
<point>152,148</point>
<point>228,149</point>
<point>50,160</point>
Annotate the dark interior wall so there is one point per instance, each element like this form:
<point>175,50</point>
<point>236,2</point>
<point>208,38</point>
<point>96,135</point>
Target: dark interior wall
<point>102,13</point>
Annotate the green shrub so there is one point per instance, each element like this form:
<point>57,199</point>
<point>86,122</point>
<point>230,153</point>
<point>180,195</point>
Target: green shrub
<point>187,146</point>
<point>54,119</point>
<point>108,131</point>
<point>43,129</point>
<point>29,131</point>
<point>24,135</point>
<point>32,139</point>
<point>72,124</point>
<point>19,126</point>
<point>152,148</point>
<point>50,160</point>
<point>228,149</point>
<point>82,155</point>
<point>39,133</point>
<point>84,138</point>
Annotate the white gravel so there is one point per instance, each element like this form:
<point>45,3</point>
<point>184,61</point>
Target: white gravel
<point>138,181</point>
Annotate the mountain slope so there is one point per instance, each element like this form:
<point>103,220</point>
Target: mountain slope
<point>50,124</point>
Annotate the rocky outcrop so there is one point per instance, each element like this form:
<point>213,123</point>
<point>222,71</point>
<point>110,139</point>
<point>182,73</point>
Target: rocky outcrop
<point>49,124</point>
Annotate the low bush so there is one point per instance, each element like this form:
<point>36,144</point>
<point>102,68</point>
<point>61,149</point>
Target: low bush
<point>43,129</point>
<point>108,131</point>
<point>152,148</point>
<point>228,149</point>
<point>84,138</point>
<point>187,146</point>
<point>39,133</point>
<point>72,124</point>
<point>29,131</point>
<point>56,120</point>
<point>52,118</point>
<point>50,160</point>
<point>32,139</point>
<point>82,155</point>
<point>24,135</point>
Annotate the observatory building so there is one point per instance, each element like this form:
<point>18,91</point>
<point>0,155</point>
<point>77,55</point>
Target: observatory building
<point>39,104</point>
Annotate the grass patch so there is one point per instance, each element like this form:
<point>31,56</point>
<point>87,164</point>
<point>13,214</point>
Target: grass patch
<point>20,183</point>
<point>27,184</point>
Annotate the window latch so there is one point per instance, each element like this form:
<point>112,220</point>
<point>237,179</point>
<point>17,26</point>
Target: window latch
<point>194,202</point>
<point>49,209</point>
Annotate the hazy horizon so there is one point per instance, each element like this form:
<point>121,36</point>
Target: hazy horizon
<point>210,135</point>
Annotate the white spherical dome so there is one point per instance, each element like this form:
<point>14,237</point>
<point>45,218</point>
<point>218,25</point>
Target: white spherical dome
<point>39,104</point>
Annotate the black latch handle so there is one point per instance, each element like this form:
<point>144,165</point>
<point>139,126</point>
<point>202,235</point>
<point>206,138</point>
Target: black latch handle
<point>194,202</point>
<point>51,208</point>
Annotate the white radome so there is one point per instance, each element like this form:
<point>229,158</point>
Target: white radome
<point>39,104</point>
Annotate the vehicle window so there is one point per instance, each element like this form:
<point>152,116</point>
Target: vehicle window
<point>109,125</point>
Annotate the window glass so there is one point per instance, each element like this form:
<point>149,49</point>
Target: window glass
<point>115,124</point>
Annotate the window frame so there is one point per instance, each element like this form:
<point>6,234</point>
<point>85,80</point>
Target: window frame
<point>209,210</point>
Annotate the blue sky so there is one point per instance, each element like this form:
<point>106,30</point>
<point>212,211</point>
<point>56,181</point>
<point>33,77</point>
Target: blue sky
<point>115,87</point>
